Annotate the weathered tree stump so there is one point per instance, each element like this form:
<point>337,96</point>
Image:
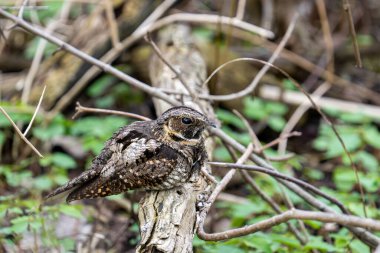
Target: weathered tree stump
<point>168,218</point>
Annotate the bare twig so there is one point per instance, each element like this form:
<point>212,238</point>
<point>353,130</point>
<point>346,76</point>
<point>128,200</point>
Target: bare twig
<point>82,109</point>
<point>103,66</point>
<point>297,98</point>
<point>20,133</point>
<point>276,141</point>
<point>267,14</point>
<point>326,36</point>
<point>150,27</point>
<point>20,13</point>
<point>240,9</point>
<point>208,176</point>
<point>325,118</point>
<point>222,184</point>
<point>247,177</point>
<point>177,73</point>
<point>360,90</point>
<point>251,87</point>
<point>347,9</point>
<point>347,220</point>
<point>39,53</point>
<point>296,116</point>
<point>276,174</point>
<point>35,112</point>
<point>22,7</point>
<point>273,204</point>
<point>112,23</point>
<point>366,236</point>
<point>111,55</point>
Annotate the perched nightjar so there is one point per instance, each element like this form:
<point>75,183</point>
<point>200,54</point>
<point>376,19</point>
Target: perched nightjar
<point>150,155</point>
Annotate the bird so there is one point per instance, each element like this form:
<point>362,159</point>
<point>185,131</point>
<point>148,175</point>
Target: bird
<point>158,154</point>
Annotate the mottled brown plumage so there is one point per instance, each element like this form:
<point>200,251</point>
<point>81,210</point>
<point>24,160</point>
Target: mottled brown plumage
<point>150,155</point>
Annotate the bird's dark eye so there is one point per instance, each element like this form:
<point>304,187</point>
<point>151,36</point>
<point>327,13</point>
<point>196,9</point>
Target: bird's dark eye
<point>186,121</point>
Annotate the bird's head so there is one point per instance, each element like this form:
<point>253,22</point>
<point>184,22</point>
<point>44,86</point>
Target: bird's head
<point>184,125</point>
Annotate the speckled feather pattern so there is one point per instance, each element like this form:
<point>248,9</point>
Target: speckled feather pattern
<point>149,155</point>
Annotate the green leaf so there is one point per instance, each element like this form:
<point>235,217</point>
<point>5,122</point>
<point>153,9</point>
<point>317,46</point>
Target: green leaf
<point>68,244</point>
<point>98,87</point>
<point>229,118</point>
<point>286,240</point>
<point>244,210</point>
<point>370,183</point>
<point>16,117</point>
<point>30,51</point>
<point>354,118</point>
<point>319,244</point>
<point>71,210</point>
<point>358,247</point>
<point>344,178</point>
<point>276,123</point>
<point>276,108</point>
<point>222,154</point>
<point>254,108</point>
<point>20,224</point>
<point>367,160</point>
<point>47,133</point>
<point>328,141</point>
<point>365,40</point>
<point>105,101</point>
<point>43,183</point>
<point>63,160</point>
<point>52,8</point>
<point>372,136</point>
<point>289,85</point>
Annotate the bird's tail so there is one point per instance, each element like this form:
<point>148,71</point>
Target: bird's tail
<point>71,186</point>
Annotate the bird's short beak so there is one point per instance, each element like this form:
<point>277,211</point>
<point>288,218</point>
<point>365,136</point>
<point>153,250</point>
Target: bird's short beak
<point>212,123</point>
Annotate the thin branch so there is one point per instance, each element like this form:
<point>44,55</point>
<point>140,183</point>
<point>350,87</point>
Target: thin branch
<point>222,184</point>
<point>251,87</point>
<point>103,66</point>
<point>266,198</point>
<point>110,56</point>
<point>267,14</point>
<point>21,10</point>
<point>360,90</point>
<point>240,9</point>
<point>114,33</point>
<point>20,13</point>
<point>347,9</point>
<point>20,133</point>
<point>364,235</point>
<point>247,177</point>
<point>209,177</point>
<point>177,73</point>
<point>297,114</point>
<point>323,115</point>
<point>82,109</point>
<point>211,19</point>
<point>276,141</point>
<point>276,174</point>
<point>346,220</point>
<point>150,27</point>
<point>298,98</point>
<point>326,36</point>
<point>35,112</point>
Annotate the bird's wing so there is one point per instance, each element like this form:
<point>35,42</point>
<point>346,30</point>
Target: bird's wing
<point>124,135</point>
<point>143,164</point>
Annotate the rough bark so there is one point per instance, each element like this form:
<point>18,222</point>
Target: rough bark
<point>168,218</point>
